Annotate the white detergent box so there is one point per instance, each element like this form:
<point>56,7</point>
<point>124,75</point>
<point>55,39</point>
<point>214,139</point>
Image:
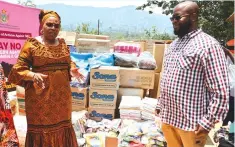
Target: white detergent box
<point>79,97</point>
<point>102,98</point>
<point>101,113</point>
<point>105,77</point>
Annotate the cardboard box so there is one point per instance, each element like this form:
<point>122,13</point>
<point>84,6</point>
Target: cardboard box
<point>158,53</point>
<point>79,98</point>
<point>92,45</point>
<point>105,77</point>
<point>158,91</point>
<point>142,44</point>
<point>75,108</point>
<point>92,36</point>
<point>69,37</point>
<point>136,78</point>
<point>102,98</point>
<point>154,92</point>
<point>111,141</point>
<point>127,92</point>
<point>101,113</point>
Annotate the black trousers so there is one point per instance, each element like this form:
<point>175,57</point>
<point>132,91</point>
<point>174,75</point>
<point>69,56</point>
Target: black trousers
<point>230,114</point>
<point>225,143</point>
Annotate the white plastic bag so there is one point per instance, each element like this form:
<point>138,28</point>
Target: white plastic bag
<point>147,61</point>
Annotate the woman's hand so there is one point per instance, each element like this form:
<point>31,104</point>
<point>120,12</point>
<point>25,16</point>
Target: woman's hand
<point>38,79</point>
<point>75,73</point>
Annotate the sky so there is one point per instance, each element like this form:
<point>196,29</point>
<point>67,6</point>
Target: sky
<point>94,3</point>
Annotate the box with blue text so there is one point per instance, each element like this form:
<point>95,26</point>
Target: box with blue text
<point>102,98</point>
<point>105,77</point>
<point>79,98</point>
<point>101,113</point>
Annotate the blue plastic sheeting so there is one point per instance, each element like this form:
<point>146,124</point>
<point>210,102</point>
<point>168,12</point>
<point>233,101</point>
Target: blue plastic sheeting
<point>72,48</point>
<point>89,60</point>
<point>81,59</point>
<point>81,56</point>
<point>104,59</point>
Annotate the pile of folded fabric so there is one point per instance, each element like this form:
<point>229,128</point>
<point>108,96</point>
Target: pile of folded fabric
<point>130,107</point>
<point>148,107</point>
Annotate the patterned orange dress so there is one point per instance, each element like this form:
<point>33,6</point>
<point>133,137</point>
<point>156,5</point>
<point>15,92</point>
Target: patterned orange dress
<point>48,111</point>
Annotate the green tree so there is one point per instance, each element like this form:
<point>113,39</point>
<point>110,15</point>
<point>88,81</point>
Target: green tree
<point>85,28</point>
<point>153,33</point>
<point>212,15</point>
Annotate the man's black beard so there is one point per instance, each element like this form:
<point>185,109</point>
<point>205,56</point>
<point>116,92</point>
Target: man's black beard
<point>183,29</point>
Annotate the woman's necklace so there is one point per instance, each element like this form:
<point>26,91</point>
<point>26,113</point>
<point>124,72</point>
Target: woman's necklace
<point>52,43</point>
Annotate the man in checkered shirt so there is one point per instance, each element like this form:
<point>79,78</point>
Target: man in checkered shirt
<point>194,85</point>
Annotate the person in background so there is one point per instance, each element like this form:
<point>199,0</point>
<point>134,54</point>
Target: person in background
<point>44,69</point>
<point>230,61</point>
<point>8,135</point>
<point>194,86</point>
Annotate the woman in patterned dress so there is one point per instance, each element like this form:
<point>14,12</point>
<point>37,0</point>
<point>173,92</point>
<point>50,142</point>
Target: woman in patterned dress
<point>43,69</point>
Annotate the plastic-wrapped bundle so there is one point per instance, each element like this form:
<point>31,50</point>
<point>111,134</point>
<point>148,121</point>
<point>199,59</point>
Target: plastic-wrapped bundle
<point>127,47</point>
<point>125,60</point>
<point>95,140</point>
<point>104,59</point>
<point>147,61</point>
<point>81,59</point>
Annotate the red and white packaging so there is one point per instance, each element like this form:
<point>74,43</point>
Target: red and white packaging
<point>125,47</point>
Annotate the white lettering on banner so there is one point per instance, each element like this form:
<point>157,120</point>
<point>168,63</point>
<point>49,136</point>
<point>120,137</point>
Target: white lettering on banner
<point>4,52</point>
<point>5,56</point>
<point>9,53</point>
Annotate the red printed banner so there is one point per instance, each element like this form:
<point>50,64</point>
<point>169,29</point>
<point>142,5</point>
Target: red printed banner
<point>17,23</point>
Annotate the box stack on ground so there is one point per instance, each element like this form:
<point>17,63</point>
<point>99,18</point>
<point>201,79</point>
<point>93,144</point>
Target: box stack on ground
<point>159,48</point>
<point>113,100</point>
<point>79,98</point>
<point>87,43</point>
<point>104,83</point>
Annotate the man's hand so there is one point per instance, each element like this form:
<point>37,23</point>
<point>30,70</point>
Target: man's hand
<point>157,112</point>
<point>200,130</point>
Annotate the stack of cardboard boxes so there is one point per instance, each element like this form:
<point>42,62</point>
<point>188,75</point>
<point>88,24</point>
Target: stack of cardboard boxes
<point>158,53</point>
<point>79,98</point>
<point>69,37</point>
<point>134,82</point>
<point>88,43</point>
<point>104,83</point>
<point>105,95</point>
